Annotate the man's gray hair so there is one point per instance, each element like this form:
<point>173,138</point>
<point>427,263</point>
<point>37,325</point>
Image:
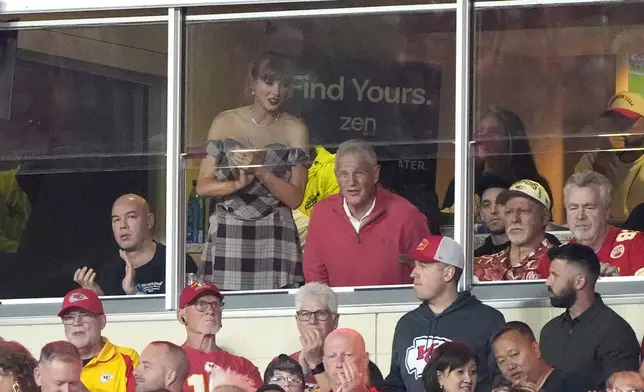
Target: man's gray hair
<point>316,291</point>
<point>357,147</point>
<point>60,350</point>
<point>587,178</point>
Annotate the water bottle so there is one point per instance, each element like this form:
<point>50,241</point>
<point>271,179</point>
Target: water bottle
<point>195,232</point>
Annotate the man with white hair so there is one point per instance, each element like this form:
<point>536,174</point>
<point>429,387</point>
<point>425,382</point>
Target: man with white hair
<point>355,237</point>
<point>317,316</point>
<point>588,200</point>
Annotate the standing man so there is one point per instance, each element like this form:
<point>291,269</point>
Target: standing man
<point>587,196</point>
<point>106,367</point>
<point>444,316</point>
<point>163,365</point>
<point>589,338</point>
<point>200,306</point>
<point>367,226</point>
<point>59,368</point>
<point>141,267</point>
<point>526,215</point>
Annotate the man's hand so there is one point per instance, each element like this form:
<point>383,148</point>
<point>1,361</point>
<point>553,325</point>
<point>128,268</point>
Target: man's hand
<point>312,346</point>
<point>128,283</point>
<point>607,269</point>
<point>85,278</point>
<point>351,379</point>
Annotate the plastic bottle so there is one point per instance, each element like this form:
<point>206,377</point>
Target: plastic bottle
<point>196,210</point>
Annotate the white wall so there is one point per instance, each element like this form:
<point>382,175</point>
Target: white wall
<point>260,339</point>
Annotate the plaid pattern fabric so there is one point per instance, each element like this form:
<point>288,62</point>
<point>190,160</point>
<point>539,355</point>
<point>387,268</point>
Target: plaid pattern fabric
<point>252,241</point>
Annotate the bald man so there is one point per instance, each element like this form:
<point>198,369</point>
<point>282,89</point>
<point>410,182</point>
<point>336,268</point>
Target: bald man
<point>625,381</point>
<point>346,361</point>
<point>140,269</point>
<point>163,365</point>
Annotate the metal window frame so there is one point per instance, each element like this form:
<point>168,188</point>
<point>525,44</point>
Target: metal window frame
<point>280,302</point>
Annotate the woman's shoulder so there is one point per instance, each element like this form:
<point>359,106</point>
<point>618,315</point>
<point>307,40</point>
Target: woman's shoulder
<point>295,129</point>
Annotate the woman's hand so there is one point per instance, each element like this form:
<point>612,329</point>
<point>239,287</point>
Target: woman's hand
<point>244,179</point>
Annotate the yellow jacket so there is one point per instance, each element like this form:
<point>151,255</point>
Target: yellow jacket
<point>111,370</point>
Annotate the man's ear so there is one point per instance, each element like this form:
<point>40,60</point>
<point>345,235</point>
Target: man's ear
<point>376,174</point>
<point>181,316</point>
<point>336,321</point>
<point>150,221</point>
<point>38,376</point>
<point>170,377</point>
<point>448,273</point>
<point>103,321</point>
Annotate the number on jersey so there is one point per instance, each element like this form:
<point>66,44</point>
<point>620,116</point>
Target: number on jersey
<point>198,383</point>
<point>626,235</point>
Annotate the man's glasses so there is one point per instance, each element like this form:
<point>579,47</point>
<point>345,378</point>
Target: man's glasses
<point>70,319</point>
<point>201,306</point>
<point>320,315</point>
<point>291,380</point>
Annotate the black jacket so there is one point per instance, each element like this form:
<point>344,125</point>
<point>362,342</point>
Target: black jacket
<point>420,331</point>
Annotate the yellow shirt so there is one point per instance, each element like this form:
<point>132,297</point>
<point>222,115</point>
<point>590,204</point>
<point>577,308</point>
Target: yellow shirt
<point>627,180</point>
<point>111,370</point>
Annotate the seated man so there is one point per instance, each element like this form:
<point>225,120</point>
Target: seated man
<point>519,358</point>
<point>317,316</point>
<point>163,365</point>
<point>587,197</point>
<point>526,213</point>
<point>625,115</point>
<point>355,237</point>
<point>625,381</point>
<point>589,338</point>
<point>200,306</point>
<point>59,368</point>
<point>141,267</point>
<point>106,367</point>
<point>346,360</point>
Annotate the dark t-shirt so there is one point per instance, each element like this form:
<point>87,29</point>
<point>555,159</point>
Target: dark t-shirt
<point>560,381</point>
<point>149,278</point>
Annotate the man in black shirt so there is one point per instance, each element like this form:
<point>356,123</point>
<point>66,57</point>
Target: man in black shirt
<point>589,338</point>
<point>141,266</point>
<point>519,358</point>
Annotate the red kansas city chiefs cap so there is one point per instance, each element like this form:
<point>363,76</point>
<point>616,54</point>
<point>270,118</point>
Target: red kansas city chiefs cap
<point>84,299</point>
<point>197,289</point>
<point>436,249</point>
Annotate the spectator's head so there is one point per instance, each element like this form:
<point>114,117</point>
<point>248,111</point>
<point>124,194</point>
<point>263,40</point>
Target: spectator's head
<point>345,348</point>
<point>200,306</point>
<point>84,319</point>
<point>574,269</point>
<point>285,372</point>
<point>316,305</point>
<point>625,381</point>
<point>270,388</point>
<point>227,380</point>
<point>357,172</point>
<point>526,212</point>
<point>517,353</point>
<point>438,265</point>
<point>588,197</point>
<point>132,222</point>
<point>489,189</point>
<point>16,368</point>
<point>59,368</point>
<point>625,112</point>
<point>163,365</point>
<point>270,78</point>
<point>452,368</point>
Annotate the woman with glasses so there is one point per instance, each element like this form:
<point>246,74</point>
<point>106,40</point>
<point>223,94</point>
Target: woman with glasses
<point>16,368</point>
<point>285,372</point>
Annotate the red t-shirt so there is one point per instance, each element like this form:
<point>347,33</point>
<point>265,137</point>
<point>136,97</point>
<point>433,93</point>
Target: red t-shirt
<point>624,249</point>
<point>202,363</point>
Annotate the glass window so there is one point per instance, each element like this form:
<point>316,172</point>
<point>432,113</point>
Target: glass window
<point>557,90</point>
<point>388,80</point>
<point>83,119</point>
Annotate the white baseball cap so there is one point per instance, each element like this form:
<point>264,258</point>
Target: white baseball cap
<point>436,249</point>
<point>528,189</point>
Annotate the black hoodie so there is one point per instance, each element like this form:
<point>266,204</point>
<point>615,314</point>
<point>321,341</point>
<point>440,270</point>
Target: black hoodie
<point>419,332</point>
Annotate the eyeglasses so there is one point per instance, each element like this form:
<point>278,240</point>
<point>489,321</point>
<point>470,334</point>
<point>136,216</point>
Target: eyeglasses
<point>292,380</point>
<point>70,319</point>
<point>201,306</point>
<point>320,315</point>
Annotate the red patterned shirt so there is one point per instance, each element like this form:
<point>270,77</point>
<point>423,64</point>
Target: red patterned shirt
<point>624,249</point>
<point>497,266</point>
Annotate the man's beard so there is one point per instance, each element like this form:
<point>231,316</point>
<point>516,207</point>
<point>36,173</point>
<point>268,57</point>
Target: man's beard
<point>566,299</point>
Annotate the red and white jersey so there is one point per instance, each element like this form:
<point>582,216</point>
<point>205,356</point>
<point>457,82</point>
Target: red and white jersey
<point>201,364</point>
<point>624,249</point>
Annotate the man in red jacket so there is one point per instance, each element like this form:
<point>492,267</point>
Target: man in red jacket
<point>355,237</point>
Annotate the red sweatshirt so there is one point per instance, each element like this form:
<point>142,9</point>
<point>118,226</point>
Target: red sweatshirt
<point>338,256</point>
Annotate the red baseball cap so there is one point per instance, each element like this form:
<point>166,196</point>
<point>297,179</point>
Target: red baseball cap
<point>197,289</point>
<point>436,249</point>
<point>84,299</point>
